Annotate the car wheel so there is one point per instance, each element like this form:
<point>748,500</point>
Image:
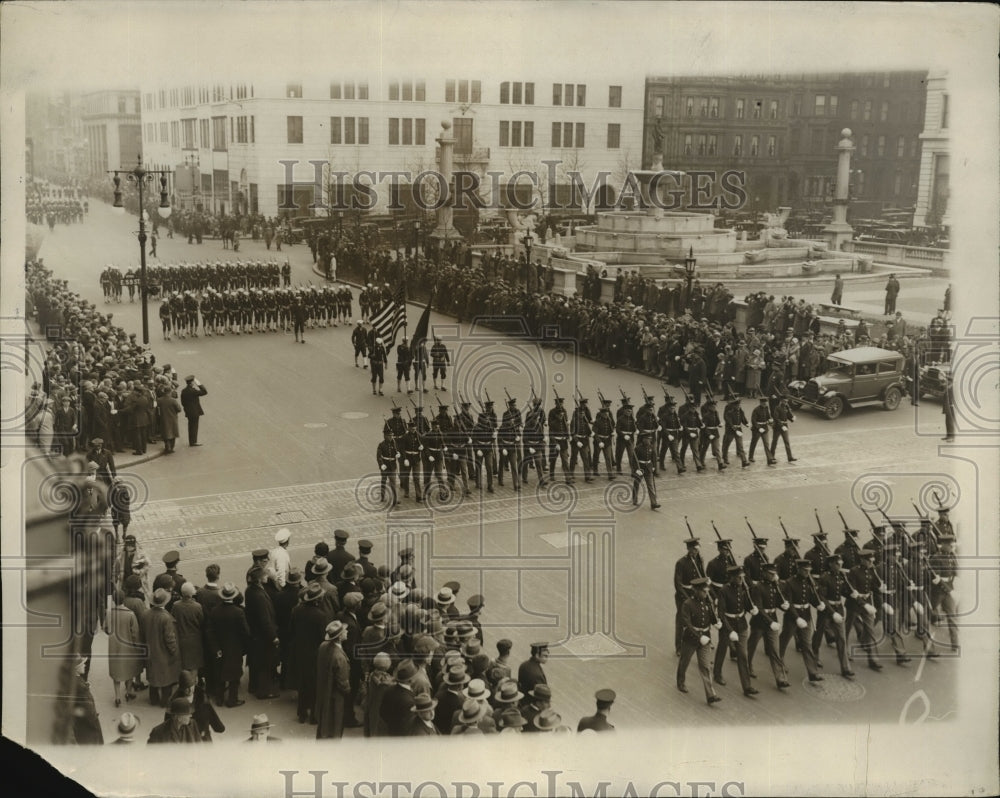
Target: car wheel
<point>834,407</point>
<point>892,398</point>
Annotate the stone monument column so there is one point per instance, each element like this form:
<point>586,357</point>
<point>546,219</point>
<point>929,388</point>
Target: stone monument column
<point>839,231</point>
<point>445,229</point>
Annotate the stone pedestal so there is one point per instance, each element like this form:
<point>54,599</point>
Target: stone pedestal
<point>445,230</point>
<point>839,231</point>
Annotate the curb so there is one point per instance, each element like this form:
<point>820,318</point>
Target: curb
<point>143,459</point>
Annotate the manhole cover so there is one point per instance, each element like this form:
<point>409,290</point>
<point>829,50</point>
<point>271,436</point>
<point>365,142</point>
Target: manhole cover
<point>353,414</point>
<point>290,517</point>
<point>187,352</point>
<point>314,425</point>
<point>835,688</point>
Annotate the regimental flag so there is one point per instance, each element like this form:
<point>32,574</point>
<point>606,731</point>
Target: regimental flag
<point>423,324</point>
<point>390,319</point>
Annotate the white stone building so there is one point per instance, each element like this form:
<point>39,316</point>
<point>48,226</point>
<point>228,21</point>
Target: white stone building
<point>932,188</point>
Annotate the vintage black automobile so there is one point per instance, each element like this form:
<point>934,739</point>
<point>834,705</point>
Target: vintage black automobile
<point>852,377</point>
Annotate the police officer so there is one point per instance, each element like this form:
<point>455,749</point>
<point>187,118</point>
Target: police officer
<point>734,604</point>
<point>670,433</point>
<point>387,457</point>
<point>696,617</point>
<point>559,440</point>
<point>735,420</point>
<point>645,458</point>
<point>581,429</point>
<point>710,432</point>
<point>783,416</point>
<point>604,429</point>
<point>760,429</point>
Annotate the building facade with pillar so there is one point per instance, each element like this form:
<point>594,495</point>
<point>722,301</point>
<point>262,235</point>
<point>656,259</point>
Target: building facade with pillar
<point>932,185</point>
<point>237,134</point>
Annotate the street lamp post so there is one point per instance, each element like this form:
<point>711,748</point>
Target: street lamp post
<point>690,265</point>
<point>141,176</point>
<point>527,260</point>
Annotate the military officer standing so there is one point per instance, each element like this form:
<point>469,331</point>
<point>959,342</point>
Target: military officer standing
<point>760,423</point>
<point>508,440</point>
<point>482,441</point>
<point>409,462</point>
<point>359,338</point>
<point>440,360</point>
<point>783,416</point>
<point>434,451</point>
<point>646,422</point>
<point>378,357</point>
<point>626,428</point>
<point>404,359</point>
<point>696,617</point>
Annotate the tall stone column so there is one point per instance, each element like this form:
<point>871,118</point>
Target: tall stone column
<point>839,231</point>
<point>445,229</point>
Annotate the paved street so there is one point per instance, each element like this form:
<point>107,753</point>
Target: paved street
<point>289,437</point>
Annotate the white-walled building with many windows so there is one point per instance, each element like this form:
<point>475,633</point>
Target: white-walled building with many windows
<point>227,141</point>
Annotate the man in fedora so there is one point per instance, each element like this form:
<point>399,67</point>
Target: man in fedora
<point>451,695</point>
<point>333,685</point>
<point>263,624</point>
<point>163,650</point>
<point>545,721</point>
<point>423,716</point>
<point>127,725</point>
<point>468,718</point>
<point>260,730</point>
<point>599,720</point>
<point>399,700</point>
<point>531,671</point>
<point>177,726</point>
<point>539,699</point>
<point>229,638</point>
<point>308,631</point>
<point>320,570</point>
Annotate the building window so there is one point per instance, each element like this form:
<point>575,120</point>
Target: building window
<point>581,94</point>
<point>349,130</point>
<point>407,91</point>
<point>914,143</point>
<point>477,92</point>
<point>394,91</point>
<point>505,94</point>
<point>335,135</point>
<point>944,111</point>
<point>884,114</point>
<point>504,134</point>
<point>557,94</point>
<point>515,95</point>
<point>407,137</point>
<point>881,146</point>
<point>701,144</point>
<point>689,106</point>
<point>657,106</point>
<point>449,91</point>
<point>614,96</point>
<point>754,145</point>
<point>687,144</point>
<point>529,93</point>
<point>758,108</point>
<point>252,137</point>
<point>421,91</point>
<point>897,184</point>
<point>868,110</point>
<point>740,108</point>
<point>885,84</point>
<point>293,90</point>
<point>294,129</point>
<point>567,134</point>
<point>393,131</point>
<point>820,109</point>
<point>529,134</point>
<point>419,131</point>
<point>773,110</point>
<point>794,137</point>
<point>568,95</point>
<point>335,93</point>
<point>797,106</point>
<point>219,133</point>
<point>205,135</point>
<point>854,109</point>
<point>901,147</point>
<point>188,133</point>
<point>713,143</point>
<point>703,106</point>
<point>579,134</point>
<point>614,136</point>
<point>737,146</point>
<point>772,146</point>
<point>363,90</point>
<point>863,149</point>
<point>833,104</point>
<point>713,107</point>
<point>556,134</point>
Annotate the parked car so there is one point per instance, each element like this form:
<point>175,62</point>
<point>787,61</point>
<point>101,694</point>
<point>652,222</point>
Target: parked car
<point>855,376</point>
<point>933,380</point>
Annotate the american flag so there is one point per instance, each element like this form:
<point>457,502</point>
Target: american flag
<point>388,321</point>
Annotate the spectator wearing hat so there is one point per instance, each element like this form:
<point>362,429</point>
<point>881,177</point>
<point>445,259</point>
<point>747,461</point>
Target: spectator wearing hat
<point>333,686</point>
<point>285,602</point>
<point>405,558</point>
<point>320,570</point>
<point>120,502</point>
<point>139,407</point>
<point>530,672</point>
<point>262,658</point>
<point>697,617</point>
<point>398,700</point>
<point>169,408</point>
<point>450,697</point>
<point>377,683</point>
<point>229,639</point>
<point>801,594</point>
<point>65,426</point>
<point>125,560</point>
<point>364,550</point>
<point>499,668</point>
<point>352,638</point>
<point>163,660</point>
<point>340,556</point>
<point>177,726</point>
<point>281,562</point>
<point>349,581</point>
<point>423,716</point>
<point>734,603</point>
<point>170,580</point>
<point>126,653</point>
<point>510,721</point>
<point>476,690</point>
<point>190,618</point>
<point>191,402</point>
<point>260,730</point>
<point>308,631</point>
<point>104,459</point>
<point>443,602</point>
<point>127,725</point>
<point>467,720</point>
<point>599,720</point>
<point>537,700</point>
<point>321,549</point>
<point>505,695</point>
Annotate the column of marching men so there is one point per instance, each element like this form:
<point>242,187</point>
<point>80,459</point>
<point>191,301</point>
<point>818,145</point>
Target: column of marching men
<point>361,645</point>
<point>894,586</point>
<point>477,448</point>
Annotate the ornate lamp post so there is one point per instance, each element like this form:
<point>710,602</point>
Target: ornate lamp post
<point>527,260</point>
<point>690,266</point>
<point>141,177</point>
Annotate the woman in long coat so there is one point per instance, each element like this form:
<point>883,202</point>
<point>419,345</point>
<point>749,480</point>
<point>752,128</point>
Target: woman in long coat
<point>164,654</point>
<point>126,654</point>
<point>170,408</point>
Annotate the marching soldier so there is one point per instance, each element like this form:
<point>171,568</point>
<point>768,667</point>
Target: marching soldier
<point>395,425</point>
<point>894,603</point>
<point>718,567</point>
<point>922,575</point>
<point>378,357</point>
<point>646,422</point>
<point>508,440</point>
<point>696,617</point>
<point>735,420</point>
<point>686,570</point>
<point>440,360</point>
<point>423,425</point>
<point>734,604</point>
<point>786,565</point>
<point>670,433</point>
<point>783,416</point>
<point>818,553</point>
<point>491,414</point>
<point>359,338</point>
<point>943,595</point>
<point>581,429</point>
<point>691,422</point>
<point>834,591</point>
<point>802,596</point>
<point>710,432</point>
<point>604,429</point>
<point>559,441</point>
<point>645,456</point>
<point>433,453</point>
<point>387,457</point>
<point>926,535</point>
<point>404,359</point>
<point>849,551</point>
<point>944,522</point>
<point>760,422</point>
<point>754,562</point>
<point>863,604</point>
<point>482,441</point>
<point>767,596</point>
<point>534,440</point>
<point>625,440</point>
<point>410,461</point>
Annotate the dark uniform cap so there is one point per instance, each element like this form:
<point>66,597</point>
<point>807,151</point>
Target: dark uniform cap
<point>762,399</point>
<point>831,557</point>
<point>171,558</point>
<point>605,696</point>
<point>365,546</point>
<point>769,566</point>
<point>790,541</point>
<point>259,554</point>
<point>819,534</point>
<point>583,401</point>
<point>723,542</point>
<point>759,541</point>
<point>701,581</point>
<point>946,539</point>
<point>804,563</point>
<point>341,534</point>
<point>397,410</point>
<point>868,553</point>
<point>734,570</point>
<point>476,601</point>
<point>692,542</point>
